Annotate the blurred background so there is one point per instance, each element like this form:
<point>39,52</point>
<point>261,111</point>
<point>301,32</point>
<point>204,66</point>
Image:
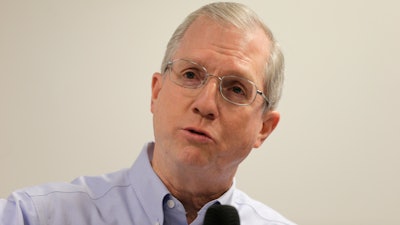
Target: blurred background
<point>75,94</point>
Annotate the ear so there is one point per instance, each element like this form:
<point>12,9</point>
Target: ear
<point>270,121</point>
<point>156,84</point>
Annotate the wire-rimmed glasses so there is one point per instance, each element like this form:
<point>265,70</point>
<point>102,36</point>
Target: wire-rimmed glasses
<point>234,89</point>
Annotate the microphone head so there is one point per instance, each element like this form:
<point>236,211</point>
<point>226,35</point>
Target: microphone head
<point>221,215</point>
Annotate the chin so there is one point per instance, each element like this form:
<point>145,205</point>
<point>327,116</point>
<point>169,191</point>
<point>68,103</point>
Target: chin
<point>192,156</point>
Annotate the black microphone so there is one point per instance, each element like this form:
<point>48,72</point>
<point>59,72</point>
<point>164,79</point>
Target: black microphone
<point>221,215</point>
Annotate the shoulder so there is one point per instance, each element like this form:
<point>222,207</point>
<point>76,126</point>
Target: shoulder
<point>75,201</point>
<point>93,187</point>
<point>81,194</point>
<point>254,212</point>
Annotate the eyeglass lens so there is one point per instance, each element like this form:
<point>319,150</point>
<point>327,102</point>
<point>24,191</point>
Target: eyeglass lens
<point>234,89</point>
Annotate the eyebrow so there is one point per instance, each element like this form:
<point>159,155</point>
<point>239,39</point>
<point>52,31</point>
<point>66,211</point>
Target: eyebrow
<point>230,72</point>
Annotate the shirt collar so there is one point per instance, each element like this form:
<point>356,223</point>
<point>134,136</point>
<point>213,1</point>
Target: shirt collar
<point>225,199</point>
<point>151,191</point>
<point>147,185</point>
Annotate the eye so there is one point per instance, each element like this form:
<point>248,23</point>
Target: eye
<point>234,86</point>
<point>189,75</point>
<point>238,90</point>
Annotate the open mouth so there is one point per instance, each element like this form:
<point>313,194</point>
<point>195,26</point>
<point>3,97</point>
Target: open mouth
<point>198,132</point>
<point>198,136</point>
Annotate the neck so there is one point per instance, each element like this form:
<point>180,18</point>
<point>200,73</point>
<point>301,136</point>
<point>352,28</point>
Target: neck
<point>193,187</point>
<point>193,202</point>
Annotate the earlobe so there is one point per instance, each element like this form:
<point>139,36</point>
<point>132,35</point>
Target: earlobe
<point>270,121</point>
<point>156,84</point>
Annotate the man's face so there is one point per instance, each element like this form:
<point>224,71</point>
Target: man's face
<point>197,128</point>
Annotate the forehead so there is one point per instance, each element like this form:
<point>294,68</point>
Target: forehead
<point>220,47</point>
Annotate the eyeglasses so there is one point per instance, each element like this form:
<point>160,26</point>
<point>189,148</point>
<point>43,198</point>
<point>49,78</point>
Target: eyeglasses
<point>234,89</point>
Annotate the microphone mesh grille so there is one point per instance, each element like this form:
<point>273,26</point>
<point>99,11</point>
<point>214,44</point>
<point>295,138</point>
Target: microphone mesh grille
<point>221,215</point>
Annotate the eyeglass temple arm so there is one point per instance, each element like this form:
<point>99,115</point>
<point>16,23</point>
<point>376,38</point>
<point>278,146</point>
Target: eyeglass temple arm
<point>263,95</point>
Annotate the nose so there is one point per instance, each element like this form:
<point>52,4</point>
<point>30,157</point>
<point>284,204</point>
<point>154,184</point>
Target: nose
<point>205,103</point>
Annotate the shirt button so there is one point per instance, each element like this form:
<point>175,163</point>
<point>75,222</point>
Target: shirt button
<point>171,203</point>
<point>157,223</point>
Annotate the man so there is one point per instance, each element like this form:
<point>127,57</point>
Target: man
<point>212,103</point>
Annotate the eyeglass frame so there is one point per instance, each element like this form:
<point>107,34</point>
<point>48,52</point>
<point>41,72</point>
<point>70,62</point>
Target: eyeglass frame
<point>168,66</point>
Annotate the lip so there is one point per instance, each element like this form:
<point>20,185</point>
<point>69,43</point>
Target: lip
<point>198,134</point>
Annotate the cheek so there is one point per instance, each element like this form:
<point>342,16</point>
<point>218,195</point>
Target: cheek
<point>165,101</point>
<point>243,123</point>
<point>161,109</point>
<point>166,111</point>
<point>241,131</point>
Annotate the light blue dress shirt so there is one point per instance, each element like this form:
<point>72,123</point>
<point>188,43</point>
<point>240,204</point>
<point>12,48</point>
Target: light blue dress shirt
<point>134,196</point>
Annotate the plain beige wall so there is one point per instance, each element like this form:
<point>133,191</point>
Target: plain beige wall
<point>75,94</point>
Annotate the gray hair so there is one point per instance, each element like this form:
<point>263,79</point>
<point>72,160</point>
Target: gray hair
<point>243,18</point>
